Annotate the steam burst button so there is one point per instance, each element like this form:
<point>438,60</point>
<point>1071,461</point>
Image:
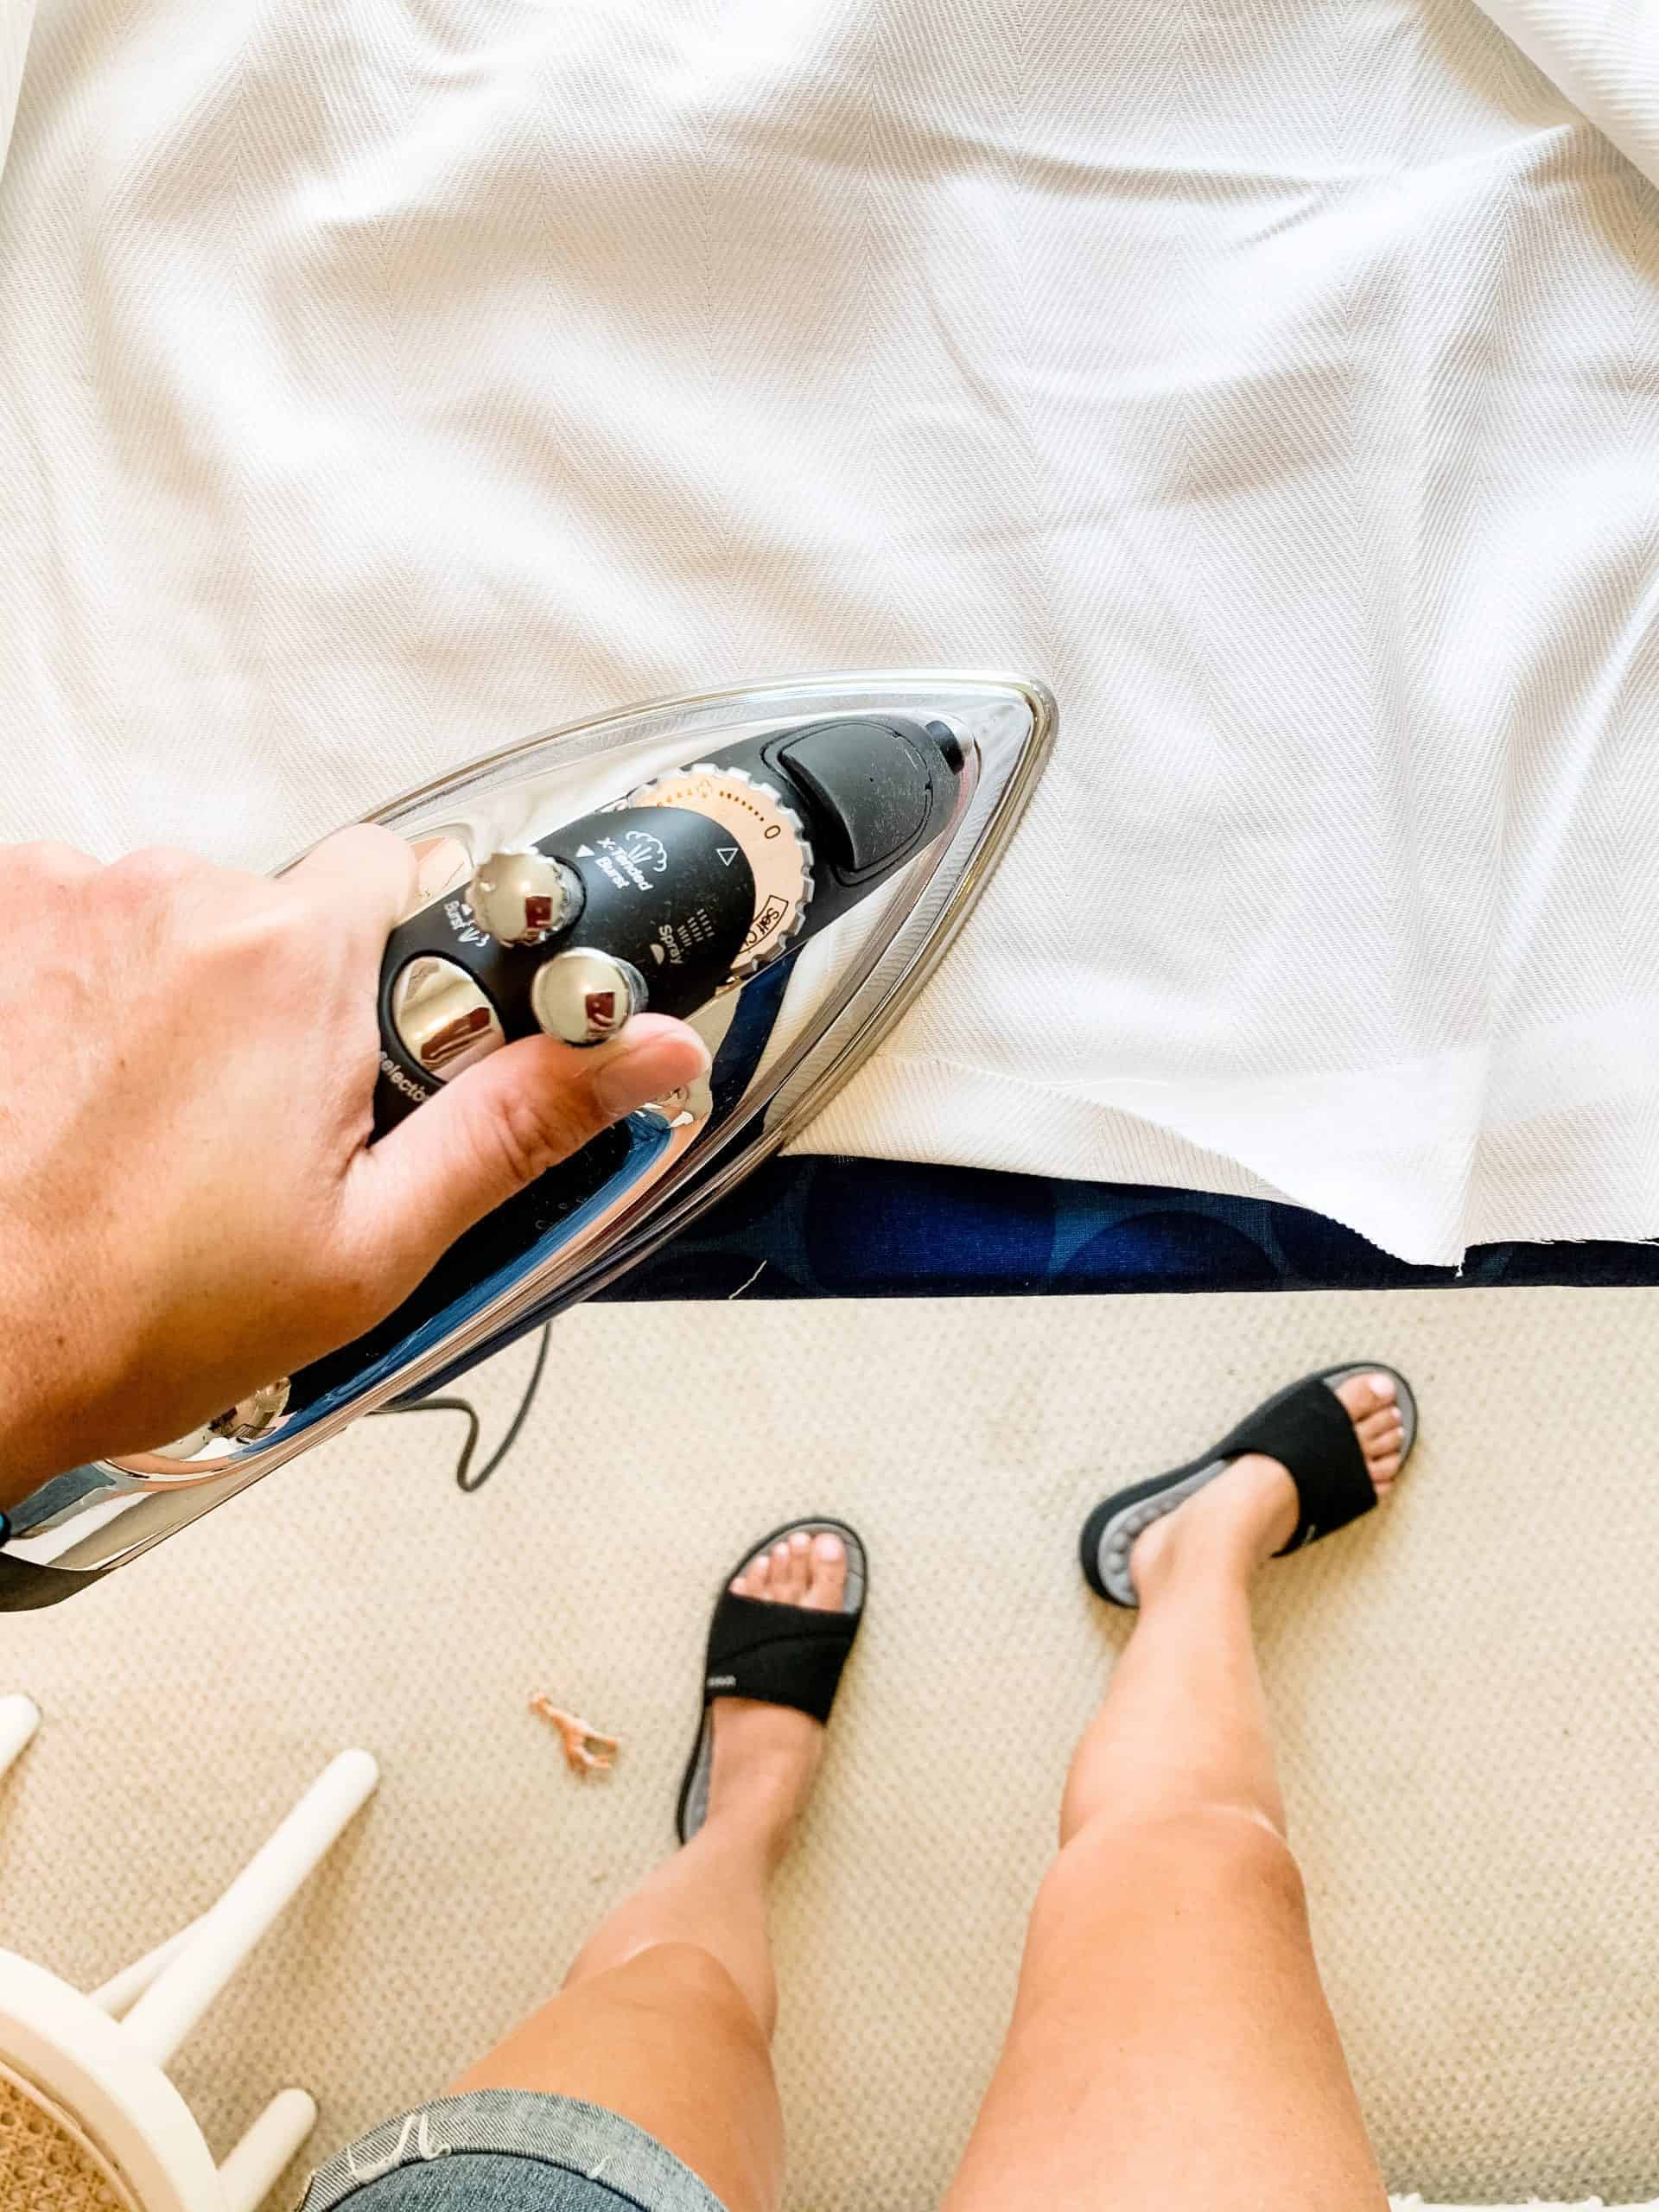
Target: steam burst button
<point>522,897</point>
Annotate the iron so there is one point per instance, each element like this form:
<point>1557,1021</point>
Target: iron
<point>783,865</point>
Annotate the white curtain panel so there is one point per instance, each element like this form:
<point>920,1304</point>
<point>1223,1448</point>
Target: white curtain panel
<point>381,382</point>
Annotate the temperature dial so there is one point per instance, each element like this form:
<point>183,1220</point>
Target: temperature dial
<point>768,834</point>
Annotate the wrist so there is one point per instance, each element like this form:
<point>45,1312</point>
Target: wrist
<point>50,1395</point>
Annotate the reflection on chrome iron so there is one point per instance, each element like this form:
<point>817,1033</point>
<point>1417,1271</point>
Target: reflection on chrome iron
<point>782,865</point>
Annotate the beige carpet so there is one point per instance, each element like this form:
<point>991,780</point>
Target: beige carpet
<point>1468,1689</point>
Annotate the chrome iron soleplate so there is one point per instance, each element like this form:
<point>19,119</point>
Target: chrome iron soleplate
<point>783,1043</point>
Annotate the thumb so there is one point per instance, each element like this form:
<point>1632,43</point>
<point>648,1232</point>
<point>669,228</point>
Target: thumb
<point>496,1127</point>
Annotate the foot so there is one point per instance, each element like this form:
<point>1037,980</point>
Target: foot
<point>767,1756</point>
<point>1248,1513</point>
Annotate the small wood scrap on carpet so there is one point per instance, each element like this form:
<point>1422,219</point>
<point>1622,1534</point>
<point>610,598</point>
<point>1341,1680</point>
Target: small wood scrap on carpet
<point>587,1750</point>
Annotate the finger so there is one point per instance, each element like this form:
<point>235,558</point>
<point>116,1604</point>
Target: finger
<point>496,1127</point>
<point>363,880</point>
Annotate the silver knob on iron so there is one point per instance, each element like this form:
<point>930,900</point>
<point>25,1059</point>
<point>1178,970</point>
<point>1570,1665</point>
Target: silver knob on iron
<point>521,897</point>
<point>585,996</point>
<point>242,1423</point>
<point>443,1019</point>
<point>252,1416</point>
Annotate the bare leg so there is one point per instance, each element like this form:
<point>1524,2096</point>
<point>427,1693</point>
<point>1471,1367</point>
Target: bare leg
<point>1170,2047</point>
<point>666,2016</point>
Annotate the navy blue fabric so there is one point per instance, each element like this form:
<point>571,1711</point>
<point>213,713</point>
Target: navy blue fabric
<point>833,1227</point>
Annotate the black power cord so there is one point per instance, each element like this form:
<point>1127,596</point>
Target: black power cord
<point>465,1479</point>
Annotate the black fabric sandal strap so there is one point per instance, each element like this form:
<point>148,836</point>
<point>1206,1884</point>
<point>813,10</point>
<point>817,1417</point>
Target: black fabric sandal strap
<point>1309,1430</point>
<point>782,1655</point>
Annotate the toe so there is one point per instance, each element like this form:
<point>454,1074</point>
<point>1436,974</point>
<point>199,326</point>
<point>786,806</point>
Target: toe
<point>1372,1404</point>
<point>789,1568</point>
<point>800,1555</point>
<point>827,1581</point>
<point>800,1569</point>
<point>1365,1395</point>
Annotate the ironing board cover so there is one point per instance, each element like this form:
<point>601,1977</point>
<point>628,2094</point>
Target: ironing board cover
<point>822,1227</point>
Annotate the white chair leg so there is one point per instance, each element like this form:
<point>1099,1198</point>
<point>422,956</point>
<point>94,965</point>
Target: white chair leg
<point>19,1718</point>
<point>252,2169</point>
<point>227,1931</point>
<point>125,1988</point>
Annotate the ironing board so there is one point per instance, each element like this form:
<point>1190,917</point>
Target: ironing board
<point>826,1227</point>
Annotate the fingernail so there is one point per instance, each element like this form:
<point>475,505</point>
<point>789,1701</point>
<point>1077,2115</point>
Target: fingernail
<point>649,1060</point>
<point>826,1546</point>
<point>1382,1385</point>
<point>799,1541</point>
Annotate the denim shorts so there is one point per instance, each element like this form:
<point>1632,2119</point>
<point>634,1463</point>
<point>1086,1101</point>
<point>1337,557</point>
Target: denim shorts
<point>507,2150</point>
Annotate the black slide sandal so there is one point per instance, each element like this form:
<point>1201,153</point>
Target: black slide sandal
<point>782,1655</point>
<point>1306,1426</point>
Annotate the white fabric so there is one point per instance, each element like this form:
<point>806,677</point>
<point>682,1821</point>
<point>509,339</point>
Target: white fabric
<point>379,384</point>
<point>1604,54</point>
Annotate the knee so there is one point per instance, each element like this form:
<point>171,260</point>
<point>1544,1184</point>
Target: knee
<point>687,1981</point>
<point>1208,1858</point>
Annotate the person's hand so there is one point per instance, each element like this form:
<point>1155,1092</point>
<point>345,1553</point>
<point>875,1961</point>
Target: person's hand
<point>189,1205</point>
